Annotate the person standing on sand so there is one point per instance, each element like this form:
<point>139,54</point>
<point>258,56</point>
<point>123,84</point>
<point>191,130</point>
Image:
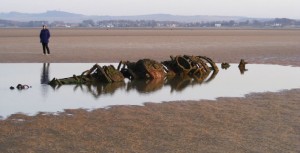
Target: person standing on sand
<point>44,37</point>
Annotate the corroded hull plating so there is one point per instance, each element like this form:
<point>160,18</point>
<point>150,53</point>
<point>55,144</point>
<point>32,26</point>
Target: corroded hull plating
<point>196,67</point>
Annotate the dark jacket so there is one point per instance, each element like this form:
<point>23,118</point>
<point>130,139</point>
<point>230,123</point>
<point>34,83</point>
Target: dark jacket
<point>44,36</point>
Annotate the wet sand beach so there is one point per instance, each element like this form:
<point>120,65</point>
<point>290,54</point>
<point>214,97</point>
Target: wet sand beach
<point>258,122</point>
<point>113,45</point>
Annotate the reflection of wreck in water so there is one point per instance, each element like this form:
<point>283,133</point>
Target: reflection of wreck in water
<point>98,89</point>
<point>145,86</point>
<point>179,83</point>
<point>176,83</point>
<point>145,75</point>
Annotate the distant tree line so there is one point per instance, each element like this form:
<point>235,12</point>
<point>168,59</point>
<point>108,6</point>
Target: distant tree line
<point>277,22</point>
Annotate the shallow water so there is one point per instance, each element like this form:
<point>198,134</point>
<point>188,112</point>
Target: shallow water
<point>44,98</point>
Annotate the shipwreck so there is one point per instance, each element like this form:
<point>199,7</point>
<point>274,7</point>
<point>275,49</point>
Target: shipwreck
<point>192,68</point>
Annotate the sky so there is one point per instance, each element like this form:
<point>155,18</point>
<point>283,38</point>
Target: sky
<point>247,8</point>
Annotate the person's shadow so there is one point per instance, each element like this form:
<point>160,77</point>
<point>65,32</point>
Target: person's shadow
<point>45,73</point>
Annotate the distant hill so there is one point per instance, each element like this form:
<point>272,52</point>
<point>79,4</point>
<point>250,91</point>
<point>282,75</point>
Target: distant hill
<point>47,16</point>
<point>76,18</point>
<point>66,19</point>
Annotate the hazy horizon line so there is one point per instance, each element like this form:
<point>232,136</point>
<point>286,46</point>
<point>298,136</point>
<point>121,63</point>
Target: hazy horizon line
<point>143,14</point>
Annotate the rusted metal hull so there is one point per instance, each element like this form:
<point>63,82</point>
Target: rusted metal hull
<point>196,67</point>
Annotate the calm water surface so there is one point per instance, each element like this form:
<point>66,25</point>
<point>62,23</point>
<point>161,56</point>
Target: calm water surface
<point>44,98</point>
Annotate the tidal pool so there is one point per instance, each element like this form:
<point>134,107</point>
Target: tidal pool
<point>44,98</point>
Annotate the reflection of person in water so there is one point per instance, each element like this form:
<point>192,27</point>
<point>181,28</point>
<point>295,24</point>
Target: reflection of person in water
<point>45,73</point>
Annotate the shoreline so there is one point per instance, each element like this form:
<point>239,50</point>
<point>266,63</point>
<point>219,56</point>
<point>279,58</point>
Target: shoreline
<point>258,122</point>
